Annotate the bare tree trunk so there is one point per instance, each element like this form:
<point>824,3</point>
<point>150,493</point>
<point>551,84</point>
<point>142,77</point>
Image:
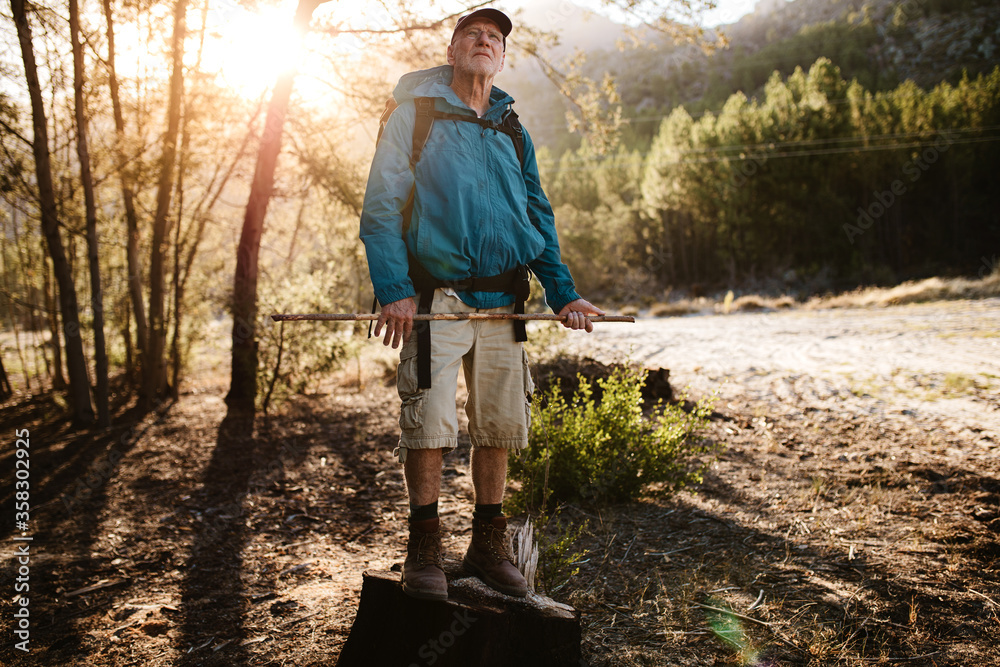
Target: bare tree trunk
<point>83,412</point>
<point>154,383</point>
<point>243,385</point>
<point>127,340</point>
<point>37,346</point>
<point>5,389</point>
<point>58,381</point>
<point>128,198</point>
<point>666,220</point>
<point>683,223</point>
<point>695,245</point>
<point>295,232</point>
<point>35,321</point>
<point>277,370</point>
<point>9,290</point>
<point>83,153</point>
<point>175,341</point>
<point>176,361</point>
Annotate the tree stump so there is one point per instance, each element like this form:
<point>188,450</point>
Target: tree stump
<point>476,626</point>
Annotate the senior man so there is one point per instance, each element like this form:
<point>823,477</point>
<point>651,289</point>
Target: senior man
<point>454,215</point>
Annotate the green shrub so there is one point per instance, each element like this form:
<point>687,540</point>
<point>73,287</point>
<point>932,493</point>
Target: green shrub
<point>603,452</point>
<point>295,357</point>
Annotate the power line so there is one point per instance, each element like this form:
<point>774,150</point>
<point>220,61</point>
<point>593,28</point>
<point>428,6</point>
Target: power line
<point>767,156</point>
<point>842,149</point>
<point>757,148</point>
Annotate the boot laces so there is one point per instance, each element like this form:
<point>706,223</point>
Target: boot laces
<point>497,541</point>
<point>429,550</point>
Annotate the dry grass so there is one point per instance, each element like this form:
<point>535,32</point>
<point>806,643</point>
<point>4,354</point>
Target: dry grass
<point>674,308</point>
<point>752,303</point>
<point>920,291</point>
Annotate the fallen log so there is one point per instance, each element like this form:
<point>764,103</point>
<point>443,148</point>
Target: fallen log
<point>475,626</point>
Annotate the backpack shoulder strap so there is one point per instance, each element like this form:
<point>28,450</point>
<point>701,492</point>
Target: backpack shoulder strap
<point>426,113</point>
<point>511,126</point>
<point>421,126</point>
<point>424,121</point>
<point>390,106</point>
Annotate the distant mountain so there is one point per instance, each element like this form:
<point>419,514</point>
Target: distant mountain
<point>577,27</point>
<point>928,41</point>
<point>879,42</point>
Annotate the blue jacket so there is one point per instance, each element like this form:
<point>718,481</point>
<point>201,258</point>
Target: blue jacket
<point>476,212</point>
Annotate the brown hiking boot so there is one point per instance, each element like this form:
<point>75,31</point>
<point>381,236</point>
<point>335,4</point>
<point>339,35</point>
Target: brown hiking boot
<point>423,576</point>
<point>489,559</point>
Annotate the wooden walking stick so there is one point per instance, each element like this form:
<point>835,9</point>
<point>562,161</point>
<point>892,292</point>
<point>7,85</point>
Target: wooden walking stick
<point>355,317</point>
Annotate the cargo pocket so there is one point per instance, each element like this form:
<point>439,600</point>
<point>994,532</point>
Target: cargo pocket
<point>411,412</point>
<point>529,388</point>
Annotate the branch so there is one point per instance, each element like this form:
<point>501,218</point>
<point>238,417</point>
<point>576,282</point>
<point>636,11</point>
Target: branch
<point>598,104</point>
<point>730,612</point>
<point>201,212</point>
<point>30,191</point>
<point>656,18</point>
<point>434,25</point>
<point>14,132</point>
<point>24,304</point>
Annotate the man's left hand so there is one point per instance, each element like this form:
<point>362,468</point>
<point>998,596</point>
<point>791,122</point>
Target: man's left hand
<point>576,314</point>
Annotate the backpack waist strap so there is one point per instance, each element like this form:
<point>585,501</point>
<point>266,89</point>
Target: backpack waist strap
<point>517,281</point>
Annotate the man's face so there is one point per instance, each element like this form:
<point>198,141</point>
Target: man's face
<point>477,48</point>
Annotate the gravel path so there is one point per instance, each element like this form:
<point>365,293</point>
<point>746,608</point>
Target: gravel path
<point>938,363</point>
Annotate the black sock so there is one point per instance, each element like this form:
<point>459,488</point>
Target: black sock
<point>487,512</point>
<point>423,512</point>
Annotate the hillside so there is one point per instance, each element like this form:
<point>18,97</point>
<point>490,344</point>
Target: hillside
<point>880,43</point>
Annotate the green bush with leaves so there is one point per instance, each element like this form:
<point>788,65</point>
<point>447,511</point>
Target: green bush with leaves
<point>295,357</point>
<point>605,452</point>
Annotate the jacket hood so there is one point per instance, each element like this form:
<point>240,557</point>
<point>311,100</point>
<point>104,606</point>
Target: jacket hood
<point>436,82</point>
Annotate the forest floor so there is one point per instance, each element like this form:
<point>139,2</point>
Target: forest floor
<point>851,518</point>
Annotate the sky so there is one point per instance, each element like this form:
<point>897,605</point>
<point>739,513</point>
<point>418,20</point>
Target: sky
<point>236,35</point>
<point>727,11</point>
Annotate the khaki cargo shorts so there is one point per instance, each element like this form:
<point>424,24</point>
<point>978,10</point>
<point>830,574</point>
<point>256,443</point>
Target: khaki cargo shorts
<point>496,373</point>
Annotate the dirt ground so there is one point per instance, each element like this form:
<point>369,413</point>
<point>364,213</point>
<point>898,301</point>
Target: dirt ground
<point>852,517</point>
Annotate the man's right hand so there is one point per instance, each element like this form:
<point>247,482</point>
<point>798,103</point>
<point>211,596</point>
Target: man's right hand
<point>398,320</point>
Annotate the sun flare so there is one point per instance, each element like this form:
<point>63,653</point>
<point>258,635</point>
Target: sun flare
<point>245,51</point>
<point>249,50</point>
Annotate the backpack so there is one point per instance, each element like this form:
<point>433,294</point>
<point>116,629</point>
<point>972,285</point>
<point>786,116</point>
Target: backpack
<point>516,281</point>
<point>424,122</point>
